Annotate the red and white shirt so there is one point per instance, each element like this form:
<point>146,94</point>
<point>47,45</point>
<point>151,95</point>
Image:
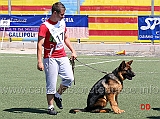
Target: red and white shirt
<point>53,32</point>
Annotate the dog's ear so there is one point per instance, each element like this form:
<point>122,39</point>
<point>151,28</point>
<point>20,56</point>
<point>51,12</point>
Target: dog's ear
<point>130,62</point>
<point>122,65</point>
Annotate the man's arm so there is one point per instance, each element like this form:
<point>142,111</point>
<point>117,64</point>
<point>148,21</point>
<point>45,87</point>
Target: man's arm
<point>39,53</point>
<point>69,45</point>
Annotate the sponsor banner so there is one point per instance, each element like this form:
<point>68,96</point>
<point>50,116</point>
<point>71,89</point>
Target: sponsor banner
<point>149,27</point>
<point>27,26</point>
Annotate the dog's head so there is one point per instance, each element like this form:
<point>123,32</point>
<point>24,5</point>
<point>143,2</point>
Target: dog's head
<point>125,70</point>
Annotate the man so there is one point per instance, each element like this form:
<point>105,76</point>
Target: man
<point>52,35</point>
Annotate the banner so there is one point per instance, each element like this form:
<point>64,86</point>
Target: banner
<point>149,27</point>
<point>27,26</point>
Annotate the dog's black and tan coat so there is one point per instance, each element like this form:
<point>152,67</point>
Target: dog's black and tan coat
<point>107,89</point>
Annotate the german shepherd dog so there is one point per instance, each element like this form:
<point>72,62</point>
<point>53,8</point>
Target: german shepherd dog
<point>107,89</point>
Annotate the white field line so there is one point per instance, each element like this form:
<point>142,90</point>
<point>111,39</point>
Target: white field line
<point>84,58</point>
<point>17,57</point>
<point>109,60</point>
<point>152,72</point>
<point>114,61</point>
<point>79,70</point>
<point>147,60</point>
<point>98,63</point>
<point>81,58</point>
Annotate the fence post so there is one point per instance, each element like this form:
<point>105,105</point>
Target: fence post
<point>152,14</point>
<point>9,13</point>
<point>9,7</point>
<point>78,12</point>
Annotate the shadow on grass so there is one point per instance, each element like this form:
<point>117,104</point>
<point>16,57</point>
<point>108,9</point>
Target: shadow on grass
<point>30,110</point>
<point>157,109</point>
<point>155,117</point>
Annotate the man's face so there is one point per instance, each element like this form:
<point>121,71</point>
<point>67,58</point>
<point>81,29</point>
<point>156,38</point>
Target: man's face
<point>60,15</point>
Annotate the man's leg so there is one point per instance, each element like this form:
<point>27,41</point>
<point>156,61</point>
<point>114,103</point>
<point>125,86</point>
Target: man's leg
<point>50,99</point>
<point>51,110</point>
<point>51,72</point>
<point>57,96</point>
<point>66,74</point>
<point>61,89</point>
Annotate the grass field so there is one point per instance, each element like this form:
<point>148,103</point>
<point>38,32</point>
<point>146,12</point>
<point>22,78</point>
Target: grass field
<point>22,88</point>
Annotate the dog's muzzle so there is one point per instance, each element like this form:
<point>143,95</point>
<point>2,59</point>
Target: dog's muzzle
<point>129,75</point>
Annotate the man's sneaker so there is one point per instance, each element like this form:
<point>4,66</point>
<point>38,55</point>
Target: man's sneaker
<point>58,102</point>
<point>52,111</point>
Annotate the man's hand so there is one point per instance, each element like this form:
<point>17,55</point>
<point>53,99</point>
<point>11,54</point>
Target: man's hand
<point>73,56</point>
<point>40,66</point>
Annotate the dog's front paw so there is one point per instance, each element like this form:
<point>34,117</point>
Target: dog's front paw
<point>117,110</point>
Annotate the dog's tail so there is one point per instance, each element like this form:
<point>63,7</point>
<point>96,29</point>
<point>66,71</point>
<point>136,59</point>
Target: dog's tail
<point>74,111</point>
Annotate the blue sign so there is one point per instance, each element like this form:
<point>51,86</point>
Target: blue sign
<point>27,26</point>
<point>36,20</point>
<point>149,27</point>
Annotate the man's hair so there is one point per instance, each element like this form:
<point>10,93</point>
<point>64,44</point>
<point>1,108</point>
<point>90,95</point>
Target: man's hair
<point>57,7</point>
